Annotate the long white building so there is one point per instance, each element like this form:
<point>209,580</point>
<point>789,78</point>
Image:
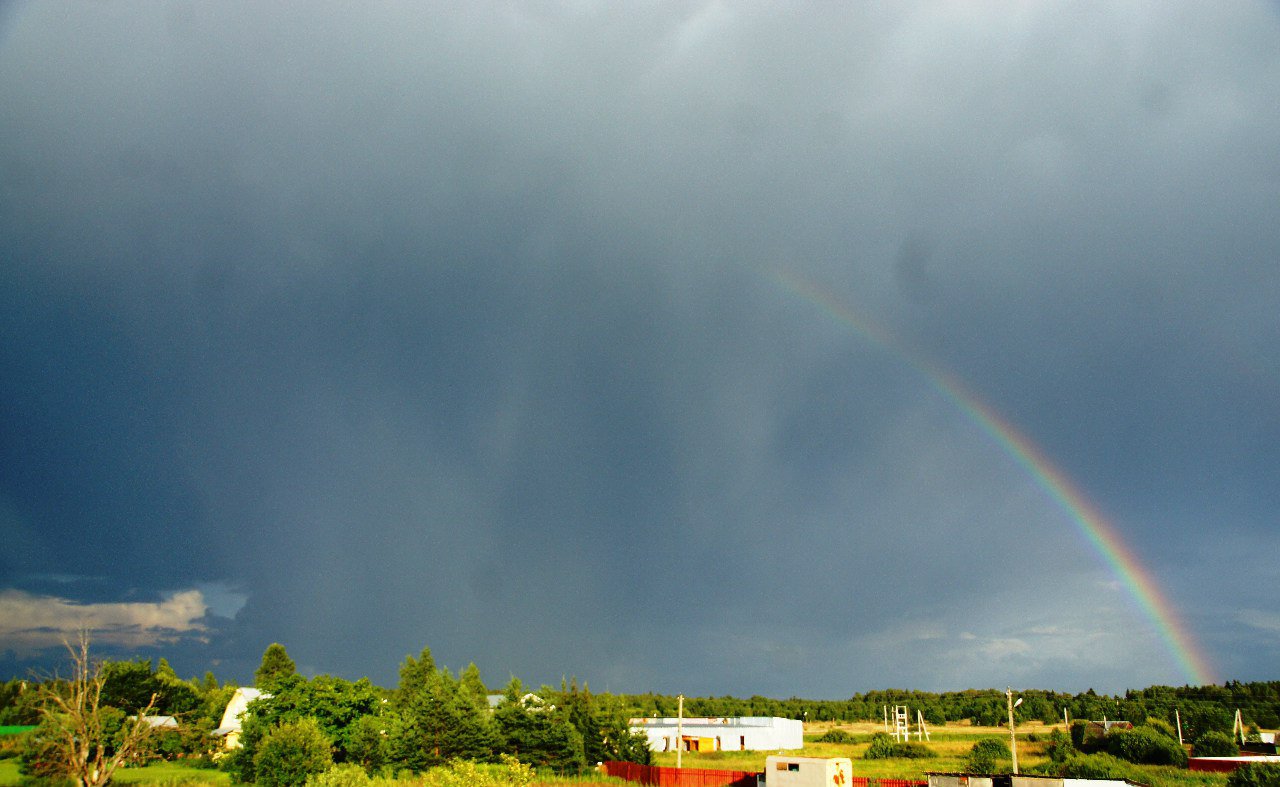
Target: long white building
<point>744,733</point>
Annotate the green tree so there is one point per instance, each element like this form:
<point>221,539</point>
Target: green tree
<point>290,753</point>
<point>532,731</point>
<point>276,665</point>
<point>986,756</point>
<point>1215,744</point>
<point>80,739</point>
<point>438,720</point>
<point>1145,746</point>
<point>333,704</point>
<point>367,743</point>
<point>473,688</point>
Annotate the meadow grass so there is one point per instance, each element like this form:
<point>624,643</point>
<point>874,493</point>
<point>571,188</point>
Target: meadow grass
<point>171,773</point>
<point>951,744</point>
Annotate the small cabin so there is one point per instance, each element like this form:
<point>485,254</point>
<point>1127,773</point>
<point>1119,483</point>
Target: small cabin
<point>784,771</point>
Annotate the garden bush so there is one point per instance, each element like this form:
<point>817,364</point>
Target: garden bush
<point>834,735</point>
<point>1094,766</point>
<point>288,754</point>
<point>462,773</point>
<point>1145,746</point>
<point>1215,744</point>
<point>342,775</point>
<point>1255,776</point>
<point>884,747</point>
<point>986,756</point>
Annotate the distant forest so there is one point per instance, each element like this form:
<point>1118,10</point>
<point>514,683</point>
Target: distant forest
<point>1200,708</point>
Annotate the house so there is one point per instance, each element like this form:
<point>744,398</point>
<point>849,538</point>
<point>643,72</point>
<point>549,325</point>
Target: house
<point>743,733</point>
<point>161,722</point>
<point>231,717</point>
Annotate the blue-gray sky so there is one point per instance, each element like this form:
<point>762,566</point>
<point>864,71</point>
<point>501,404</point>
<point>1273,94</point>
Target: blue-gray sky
<point>469,326</point>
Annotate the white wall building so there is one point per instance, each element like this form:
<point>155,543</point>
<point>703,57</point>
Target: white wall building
<point>744,733</point>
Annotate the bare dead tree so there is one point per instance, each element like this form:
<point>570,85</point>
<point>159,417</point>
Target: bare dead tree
<point>79,742</point>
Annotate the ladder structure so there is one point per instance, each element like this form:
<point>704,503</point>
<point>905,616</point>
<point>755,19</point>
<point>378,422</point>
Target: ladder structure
<point>901,724</point>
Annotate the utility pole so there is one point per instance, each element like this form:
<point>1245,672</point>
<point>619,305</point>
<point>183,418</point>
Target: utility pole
<point>679,728</point>
<point>1013,739</point>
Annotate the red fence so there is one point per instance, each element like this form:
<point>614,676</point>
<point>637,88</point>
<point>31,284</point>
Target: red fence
<point>698,777</point>
<point>679,777</point>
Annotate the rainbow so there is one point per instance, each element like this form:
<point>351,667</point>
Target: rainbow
<point>1097,531</point>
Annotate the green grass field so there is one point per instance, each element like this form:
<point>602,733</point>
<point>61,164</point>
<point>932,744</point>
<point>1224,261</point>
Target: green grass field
<point>951,743</point>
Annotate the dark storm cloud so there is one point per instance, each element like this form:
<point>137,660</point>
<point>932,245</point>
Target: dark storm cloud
<point>461,328</point>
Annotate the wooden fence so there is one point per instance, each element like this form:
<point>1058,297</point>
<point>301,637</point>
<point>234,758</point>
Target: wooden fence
<point>679,777</point>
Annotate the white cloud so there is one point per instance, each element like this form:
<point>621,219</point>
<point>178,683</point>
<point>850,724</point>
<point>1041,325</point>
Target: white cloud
<point>29,622</point>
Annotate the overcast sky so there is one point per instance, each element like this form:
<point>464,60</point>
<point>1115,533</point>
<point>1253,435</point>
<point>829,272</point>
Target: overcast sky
<point>526,332</point>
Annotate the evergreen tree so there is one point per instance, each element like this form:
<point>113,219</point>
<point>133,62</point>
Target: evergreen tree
<point>536,734</point>
<point>275,666</point>
<point>438,720</point>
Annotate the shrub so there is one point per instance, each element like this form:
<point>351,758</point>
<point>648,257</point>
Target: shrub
<point>1059,747</point>
<point>1215,744</point>
<point>1145,746</point>
<point>462,773</point>
<point>1255,776</point>
<point>343,775</point>
<point>834,735</point>
<point>884,747</point>
<point>290,753</point>
<point>1161,726</point>
<point>1094,766</point>
<point>986,755</point>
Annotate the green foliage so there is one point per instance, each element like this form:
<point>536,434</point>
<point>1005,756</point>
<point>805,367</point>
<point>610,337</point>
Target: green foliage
<point>1146,746</point>
<point>367,744</point>
<point>291,752</point>
<point>276,665</point>
<point>986,756</point>
<point>1255,776</point>
<point>883,747</point>
<point>1094,766</point>
<point>1215,744</point>
<point>438,720</point>
<point>19,704</point>
<point>460,773</point>
<point>332,703</point>
<point>1059,747</point>
<point>39,757</point>
<point>835,735</point>
<point>532,731</point>
<point>1161,726</point>
<point>341,775</point>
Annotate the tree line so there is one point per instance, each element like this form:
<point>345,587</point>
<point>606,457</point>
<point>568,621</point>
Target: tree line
<point>1199,708</point>
<point>432,717</point>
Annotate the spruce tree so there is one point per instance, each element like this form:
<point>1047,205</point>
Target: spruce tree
<point>275,666</point>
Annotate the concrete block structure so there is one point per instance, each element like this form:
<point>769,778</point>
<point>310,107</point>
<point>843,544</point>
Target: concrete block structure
<point>742,733</point>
